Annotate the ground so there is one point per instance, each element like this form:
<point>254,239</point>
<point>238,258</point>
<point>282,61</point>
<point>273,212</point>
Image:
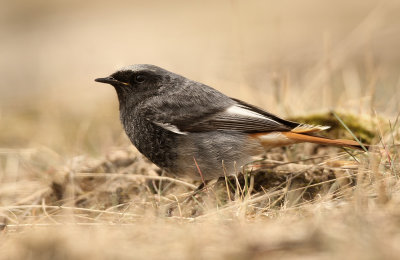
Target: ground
<point>305,201</point>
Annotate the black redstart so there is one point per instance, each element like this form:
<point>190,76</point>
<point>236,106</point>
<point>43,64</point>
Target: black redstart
<point>191,130</point>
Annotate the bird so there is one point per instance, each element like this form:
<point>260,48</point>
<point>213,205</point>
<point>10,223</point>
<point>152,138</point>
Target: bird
<point>194,131</point>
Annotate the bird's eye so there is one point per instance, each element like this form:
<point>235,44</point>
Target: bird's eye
<point>140,78</point>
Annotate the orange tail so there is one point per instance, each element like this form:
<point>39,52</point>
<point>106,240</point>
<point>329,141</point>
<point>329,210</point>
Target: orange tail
<point>321,140</point>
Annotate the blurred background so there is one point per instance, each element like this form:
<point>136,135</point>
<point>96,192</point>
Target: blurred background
<point>289,57</point>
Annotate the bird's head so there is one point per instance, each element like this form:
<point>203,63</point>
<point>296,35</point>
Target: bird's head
<point>136,83</point>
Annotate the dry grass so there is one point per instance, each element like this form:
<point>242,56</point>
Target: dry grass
<point>305,202</point>
<point>72,187</point>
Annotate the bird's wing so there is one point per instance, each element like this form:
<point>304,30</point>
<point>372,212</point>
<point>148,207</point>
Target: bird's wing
<point>233,116</point>
<point>242,117</point>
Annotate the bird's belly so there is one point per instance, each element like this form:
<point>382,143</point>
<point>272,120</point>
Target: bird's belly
<point>214,154</point>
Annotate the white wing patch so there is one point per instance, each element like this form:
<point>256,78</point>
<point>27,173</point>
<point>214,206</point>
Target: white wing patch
<point>243,111</point>
<point>171,128</point>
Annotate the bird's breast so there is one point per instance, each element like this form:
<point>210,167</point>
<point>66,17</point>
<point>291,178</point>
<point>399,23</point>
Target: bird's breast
<point>156,143</point>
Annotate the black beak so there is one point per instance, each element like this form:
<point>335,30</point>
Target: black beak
<point>108,80</point>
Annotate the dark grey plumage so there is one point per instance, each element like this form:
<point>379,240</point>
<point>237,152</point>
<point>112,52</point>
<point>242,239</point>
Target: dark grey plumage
<point>175,121</point>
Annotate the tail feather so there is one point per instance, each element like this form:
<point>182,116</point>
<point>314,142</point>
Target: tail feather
<point>297,137</point>
<point>306,129</point>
